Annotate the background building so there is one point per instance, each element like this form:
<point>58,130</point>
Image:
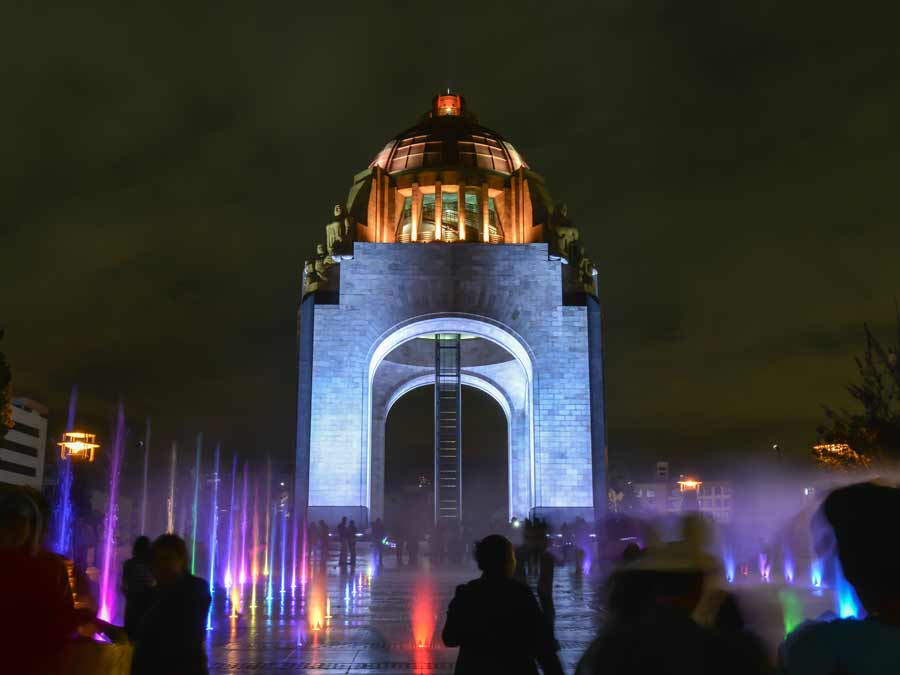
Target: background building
<point>663,495</point>
<point>23,448</point>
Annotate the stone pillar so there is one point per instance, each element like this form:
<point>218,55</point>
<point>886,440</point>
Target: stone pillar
<point>598,400</point>
<point>461,209</point>
<point>485,218</point>
<point>304,403</point>
<point>416,200</point>
<point>438,210</point>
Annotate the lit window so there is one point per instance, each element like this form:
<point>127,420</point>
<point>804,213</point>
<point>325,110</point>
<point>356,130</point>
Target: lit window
<point>473,215</point>
<point>494,228</point>
<point>404,225</point>
<point>449,216</point>
<point>426,226</point>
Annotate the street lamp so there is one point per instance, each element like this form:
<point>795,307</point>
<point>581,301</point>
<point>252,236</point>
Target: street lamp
<point>78,446</point>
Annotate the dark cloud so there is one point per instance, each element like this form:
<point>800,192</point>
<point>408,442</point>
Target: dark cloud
<point>165,169</point>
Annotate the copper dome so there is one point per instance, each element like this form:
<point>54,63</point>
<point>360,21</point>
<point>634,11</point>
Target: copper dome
<point>449,137</point>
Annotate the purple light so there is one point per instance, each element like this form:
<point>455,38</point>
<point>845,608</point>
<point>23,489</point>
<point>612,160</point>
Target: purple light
<point>213,539</point>
<point>283,547</point>
<point>62,510</point>
<point>788,567</point>
<point>229,560</point>
<point>107,588</point>
<point>243,565</point>
<point>815,573</point>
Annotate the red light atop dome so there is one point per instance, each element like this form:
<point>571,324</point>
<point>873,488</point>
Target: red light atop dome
<point>448,104</point>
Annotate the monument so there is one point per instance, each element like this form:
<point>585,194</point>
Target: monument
<point>448,265</point>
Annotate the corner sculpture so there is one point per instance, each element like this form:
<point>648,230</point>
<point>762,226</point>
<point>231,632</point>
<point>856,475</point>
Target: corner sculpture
<point>340,234</point>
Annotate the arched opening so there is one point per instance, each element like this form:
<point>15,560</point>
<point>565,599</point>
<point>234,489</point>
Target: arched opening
<point>409,459</point>
<point>493,360</point>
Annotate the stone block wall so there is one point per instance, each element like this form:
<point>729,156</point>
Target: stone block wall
<point>510,289</point>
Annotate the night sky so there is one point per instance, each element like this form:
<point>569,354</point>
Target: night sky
<point>732,166</point>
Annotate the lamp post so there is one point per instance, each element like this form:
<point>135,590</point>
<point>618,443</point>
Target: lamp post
<point>78,446</point>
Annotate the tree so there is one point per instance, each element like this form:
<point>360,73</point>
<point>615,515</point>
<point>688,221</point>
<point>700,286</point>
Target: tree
<point>871,433</point>
<point>5,390</point>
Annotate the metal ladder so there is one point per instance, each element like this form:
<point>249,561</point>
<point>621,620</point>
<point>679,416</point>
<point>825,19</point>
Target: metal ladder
<point>447,430</point>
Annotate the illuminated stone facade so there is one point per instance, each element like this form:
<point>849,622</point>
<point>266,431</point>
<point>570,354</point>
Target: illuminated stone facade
<point>532,321</point>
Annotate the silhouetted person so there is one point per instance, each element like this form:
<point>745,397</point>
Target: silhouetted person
<point>171,636</point>
<point>863,519</point>
<point>137,585</point>
<point>37,613</point>
<point>324,537</point>
<point>649,627</point>
<point>351,542</point>
<point>496,621</point>
<point>342,537</point>
<point>399,538</point>
<point>412,547</point>
<point>378,541</point>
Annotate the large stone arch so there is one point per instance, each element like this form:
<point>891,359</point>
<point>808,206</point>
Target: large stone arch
<point>519,501</point>
<point>510,295</point>
<point>510,383</point>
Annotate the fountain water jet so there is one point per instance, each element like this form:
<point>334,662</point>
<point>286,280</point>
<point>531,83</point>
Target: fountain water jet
<point>62,510</point>
<point>213,539</point>
<point>847,604</point>
<point>230,542</point>
<point>194,504</point>
<point>267,563</point>
<point>294,553</point>
<point>170,503</point>
<point>273,520</point>
<point>144,490</point>
<point>283,547</point>
<point>815,572</point>
<point>107,587</point>
<point>243,574</point>
<point>423,613</point>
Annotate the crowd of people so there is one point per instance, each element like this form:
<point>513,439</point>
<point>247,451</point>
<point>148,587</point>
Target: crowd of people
<point>664,612</point>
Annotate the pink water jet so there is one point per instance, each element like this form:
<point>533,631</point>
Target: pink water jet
<point>108,562</point>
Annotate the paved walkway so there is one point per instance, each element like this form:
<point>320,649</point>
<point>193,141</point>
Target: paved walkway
<point>386,622</point>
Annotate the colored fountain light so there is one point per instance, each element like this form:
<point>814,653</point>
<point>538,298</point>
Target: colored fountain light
<point>728,560</point>
<point>170,502</point>
<point>230,541</point>
<point>243,558</point>
<point>213,536</point>
<point>62,508</point>
<point>78,446</point>
<point>273,520</point>
<point>788,568</point>
<point>144,482</point>
<point>847,604</point>
<point>765,568</point>
<point>423,613</point>
<point>194,509</point>
<point>792,609</point>
<point>107,586</point>
<point>283,548</point>
<point>316,611</point>
<point>815,572</point>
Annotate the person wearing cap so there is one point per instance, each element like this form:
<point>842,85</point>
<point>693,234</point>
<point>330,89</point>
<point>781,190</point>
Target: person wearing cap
<point>862,520</point>
<point>650,628</point>
<point>496,621</point>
